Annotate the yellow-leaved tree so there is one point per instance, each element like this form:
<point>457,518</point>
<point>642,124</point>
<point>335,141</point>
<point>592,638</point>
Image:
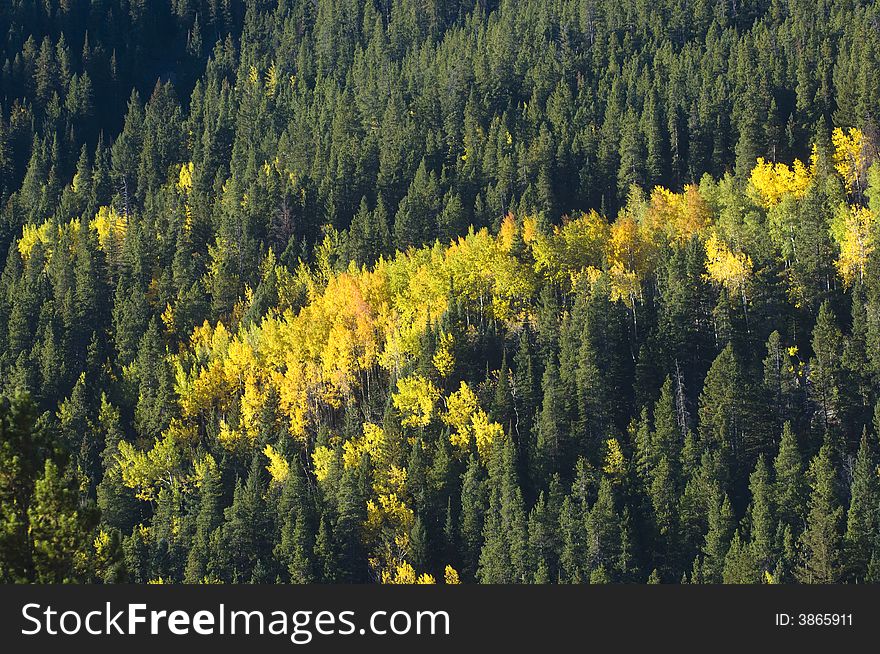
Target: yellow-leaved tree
<point>468,420</point>
<point>770,182</point>
<point>415,399</point>
<point>853,228</point>
<point>677,217</point>
<point>725,267</point>
<point>729,269</point>
<point>851,158</point>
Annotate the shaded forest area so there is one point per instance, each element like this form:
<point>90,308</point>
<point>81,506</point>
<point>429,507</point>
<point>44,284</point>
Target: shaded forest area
<point>416,291</point>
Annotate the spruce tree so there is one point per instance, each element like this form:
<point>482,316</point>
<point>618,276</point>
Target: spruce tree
<point>861,521</point>
<point>821,541</point>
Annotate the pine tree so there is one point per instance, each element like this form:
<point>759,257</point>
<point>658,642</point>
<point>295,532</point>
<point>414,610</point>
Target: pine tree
<point>208,519</point>
<point>721,415</point>
<point>825,369</point>
<point>780,382</point>
<point>325,553</point>
<point>762,517</point>
<point>245,530</point>
<point>573,568</point>
<point>351,514</point>
<point>790,489</point>
<point>740,566</point>
<point>821,540</point>
<point>473,508</point>
<point>721,527</point>
<point>503,556</point>
<point>26,445</point>
<point>550,427</point>
<point>603,526</point>
<point>861,520</point>
<point>60,529</point>
<point>119,507</point>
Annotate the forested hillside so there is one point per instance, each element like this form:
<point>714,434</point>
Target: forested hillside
<point>399,291</point>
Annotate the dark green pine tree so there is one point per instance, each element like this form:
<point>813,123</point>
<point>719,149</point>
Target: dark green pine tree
<point>245,531</point>
<point>155,385</point>
<point>729,423</point>
<point>416,220</point>
<point>550,427</point>
<point>721,527</point>
<point>740,566</point>
<point>542,542</point>
<point>665,502</point>
<point>780,382</point>
<point>294,549</point>
<point>790,487</point>
<point>60,528</point>
<point>119,507</point>
<point>503,557</point>
<point>125,153</point>
<point>604,538</point>
<point>208,520</point>
<point>573,564</point>
<point>633,156</point>
<point>861,521</point>
<point>471,517</point>
<point>525,386</point>
<point>326,555</point>
<point>667,439</point>
<point>368,236</point>
<point>821,541</point>
<point>351,514</point>
<point>26,444</point>
<point>762,521</point>
<point>825,368</point>
<point>502,409</point>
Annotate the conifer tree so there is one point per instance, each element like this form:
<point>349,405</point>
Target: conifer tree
<point>861,521</point>
<point>822,539</point>
<point>790,489</point>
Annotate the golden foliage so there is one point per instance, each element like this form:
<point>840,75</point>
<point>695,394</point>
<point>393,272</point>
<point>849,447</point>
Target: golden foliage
<point>278,466</point>
<point>415,399</point>
<point>460,409</point>
<point>615,462</point>
<point>450,576</point>
<point>404,573</point>
<point>850,156</point>
<point>729,269</point>
<point>443,359</point>
<point>629,254</point>
<point>578,243</point>
<point>853,228</point>
<point>185,177</point>
<point>468,420</point>
<point>322,461</point>
<point>678,216</point>
<point>148,471</point>
<point>367,445</point>
<point>48,235</point>
<point>769,183</point>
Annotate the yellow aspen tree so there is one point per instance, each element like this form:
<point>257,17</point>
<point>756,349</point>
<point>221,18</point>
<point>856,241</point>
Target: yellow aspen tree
<point>770,182</point>
<point>278,466</point>
<point>850,158</point>
<point>444,359</point>
<point>725,267</point>
<point>731,270</point>
<point>415,399</point>
<point>853,229</point>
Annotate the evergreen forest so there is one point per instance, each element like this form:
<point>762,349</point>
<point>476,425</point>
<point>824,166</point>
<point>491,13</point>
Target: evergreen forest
<point>440,291</point>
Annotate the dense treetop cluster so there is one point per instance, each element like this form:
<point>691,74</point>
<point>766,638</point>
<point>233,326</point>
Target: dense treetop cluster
<point>430,290</point>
